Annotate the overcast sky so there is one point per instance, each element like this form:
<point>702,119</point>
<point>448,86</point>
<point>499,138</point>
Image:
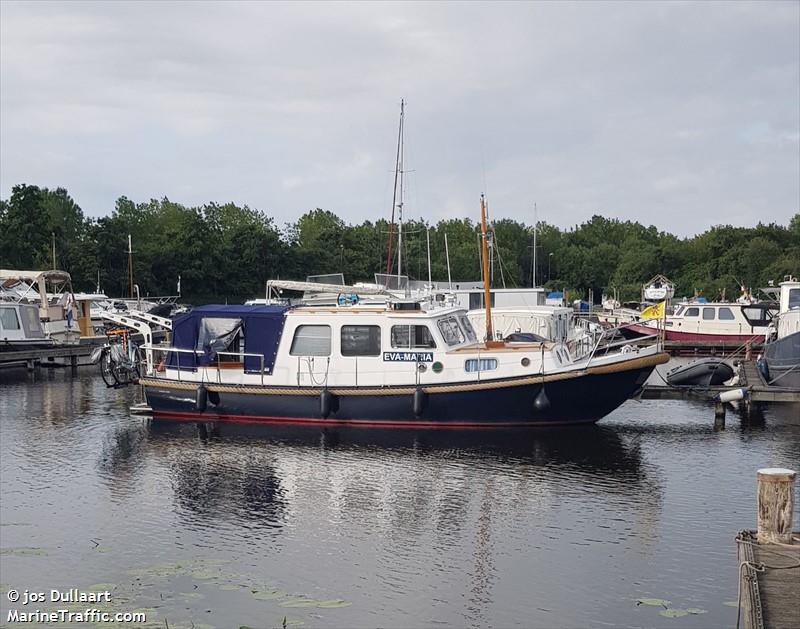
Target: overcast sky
<point>681,115</point>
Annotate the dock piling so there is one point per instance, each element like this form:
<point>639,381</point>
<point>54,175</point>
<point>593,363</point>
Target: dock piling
<point>719,415</point>
<point>775,502</point>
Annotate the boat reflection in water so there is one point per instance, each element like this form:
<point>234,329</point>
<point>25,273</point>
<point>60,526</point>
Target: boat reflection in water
<point>257,471</point>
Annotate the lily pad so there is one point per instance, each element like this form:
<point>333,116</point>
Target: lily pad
<point>696,610</point>
<point>731,603</point>
<point>100,587</point>
<point>673,613</point>
<point>299,602</point>
<point>333,603</point>
<point>231,587</point>
<point>268,595</point>
<point>24,552</point>
<point>655,602</point>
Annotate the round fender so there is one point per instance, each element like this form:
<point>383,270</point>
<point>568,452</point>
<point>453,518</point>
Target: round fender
<point>327,403</point>
<point>201,398</point>
<point>541,402</point>
<point>420,402</point>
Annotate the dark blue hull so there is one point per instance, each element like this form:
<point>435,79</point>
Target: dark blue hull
<point>581,398</point>
<point>783,361</point>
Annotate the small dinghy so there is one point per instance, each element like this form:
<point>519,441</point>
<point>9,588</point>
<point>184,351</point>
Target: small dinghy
<point>703,372</point>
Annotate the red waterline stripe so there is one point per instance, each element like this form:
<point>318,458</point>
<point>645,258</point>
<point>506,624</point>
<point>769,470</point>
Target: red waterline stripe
<point>388,423</point>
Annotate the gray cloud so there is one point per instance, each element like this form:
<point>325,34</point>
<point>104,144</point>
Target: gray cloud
<point>682,115</point>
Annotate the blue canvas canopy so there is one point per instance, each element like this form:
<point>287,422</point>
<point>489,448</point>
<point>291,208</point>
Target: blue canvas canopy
<point>209,329</point>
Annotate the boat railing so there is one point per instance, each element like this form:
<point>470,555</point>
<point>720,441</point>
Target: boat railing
<point>610,332</point>
<point>161,365</point>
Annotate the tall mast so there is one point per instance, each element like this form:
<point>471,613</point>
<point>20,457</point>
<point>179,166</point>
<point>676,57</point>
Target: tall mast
<point>487,297</point>
<point>428,234</point>
<point>535,221</point>
<point>130,266</point>
<point>400,203</point>
<point>447,255</point>
<point>397,168</point>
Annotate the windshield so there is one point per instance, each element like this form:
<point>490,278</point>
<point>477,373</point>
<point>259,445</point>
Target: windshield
<point>450,331</point>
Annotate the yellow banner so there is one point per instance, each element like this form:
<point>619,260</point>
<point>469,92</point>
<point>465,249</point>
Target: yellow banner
<point>656,311</point>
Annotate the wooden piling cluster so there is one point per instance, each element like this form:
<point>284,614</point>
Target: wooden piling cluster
<point>769,558</point>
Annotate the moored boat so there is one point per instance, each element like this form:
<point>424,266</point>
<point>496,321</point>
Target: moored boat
<point>710,322</point>
<point>379,365</point>
<point>703,372</point>
<point>782,345</point>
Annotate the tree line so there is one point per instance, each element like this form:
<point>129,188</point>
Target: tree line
<point>228,252</point>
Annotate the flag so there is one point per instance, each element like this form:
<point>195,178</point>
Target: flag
<point>656,311</point>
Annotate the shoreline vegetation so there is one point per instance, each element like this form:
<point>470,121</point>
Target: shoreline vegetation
<point>225,252</point>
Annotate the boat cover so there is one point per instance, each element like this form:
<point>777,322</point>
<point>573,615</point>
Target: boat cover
<point>209,329</point>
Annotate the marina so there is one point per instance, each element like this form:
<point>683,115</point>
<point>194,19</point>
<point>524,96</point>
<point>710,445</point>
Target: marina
<point>394,315</point>
<point>380,519</point>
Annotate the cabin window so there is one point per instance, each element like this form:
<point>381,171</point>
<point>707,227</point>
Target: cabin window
<point>450,331</point>
<point>476,300</point>
<point>412,337</point>
<point>679,310</point>
<point>219,339</point>
<point>471,365</point>
<point>30,321</point>
<point>726,314</point>
<point>468,329</point>
<point>708,314</point>
<point>8,319</point>
<point>311,340</point>
<point>361,340</point>
<point>794,298</point>
<point>692,312</point>
<point>756,316</point>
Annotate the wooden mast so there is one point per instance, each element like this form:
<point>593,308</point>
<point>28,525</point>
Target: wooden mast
<point>487,295</point>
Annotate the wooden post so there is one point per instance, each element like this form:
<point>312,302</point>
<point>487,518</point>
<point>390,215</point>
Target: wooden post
<point>719,415</point>
<point>775,501</point>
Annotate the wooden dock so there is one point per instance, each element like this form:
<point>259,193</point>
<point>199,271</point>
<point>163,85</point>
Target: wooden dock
<point>707,348</point>
<point>46,357</point>
<point>769,583</point>
<point>750,378</point>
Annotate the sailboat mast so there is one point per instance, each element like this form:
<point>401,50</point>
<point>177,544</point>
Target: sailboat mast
<point>400,203</point>
<point>447,255</point>
<point>394,191</point>
<point>487,297</point>
<point>130,266</point>
<point>535,221</point>
<point>428,235</point>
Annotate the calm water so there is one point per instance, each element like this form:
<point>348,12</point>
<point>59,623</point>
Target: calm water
<point>373,528</point>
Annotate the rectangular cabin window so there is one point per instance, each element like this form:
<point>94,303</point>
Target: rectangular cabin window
<point>8,319</point>
<point>468,329</point>
<point>692,312</point>
<point>219,339</point>
<point>726,314</point>
<point>678,310</point>
<point>361,340</point>
<point>794,298</point>
<point>756,316</point>
<point>476,300</point>
<point>471,365</point>
<point>708,314</point>
<point>450,331</point>
<point>311,340</point>
<point>412,337</point>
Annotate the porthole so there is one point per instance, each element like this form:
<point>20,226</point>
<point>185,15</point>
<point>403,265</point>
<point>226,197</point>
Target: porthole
<point>437,367</point>
<point>525,361</point>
